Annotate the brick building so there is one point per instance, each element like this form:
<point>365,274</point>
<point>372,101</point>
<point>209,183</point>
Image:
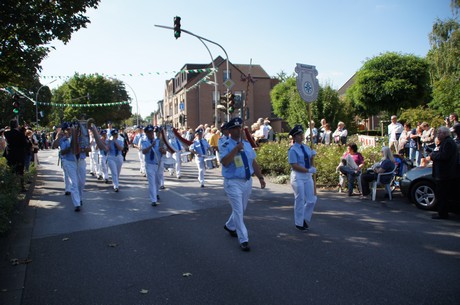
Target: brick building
<point>191,95</point>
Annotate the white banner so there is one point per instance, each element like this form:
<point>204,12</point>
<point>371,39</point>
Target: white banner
<point>367,140</point>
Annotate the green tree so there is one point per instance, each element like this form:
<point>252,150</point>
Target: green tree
<point>90,91</point>
<point>28,26</point>
<point>421,114</point>
<point>444,64</point>
<point>389,82</point>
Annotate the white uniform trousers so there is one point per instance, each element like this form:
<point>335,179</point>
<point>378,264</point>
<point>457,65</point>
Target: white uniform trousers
<point>305,199</point>
<point>201,169</point>
<point>114,163</point>
<point>70,167</point>
<point>103,171</point>
<point>238,192</point>
<point>152,176</point>
<point>178,165</point>
<point>142,161</point>
<point>81,169</point>
<point>66,177</point>
<point>161,173</point>
<point>93,160</point>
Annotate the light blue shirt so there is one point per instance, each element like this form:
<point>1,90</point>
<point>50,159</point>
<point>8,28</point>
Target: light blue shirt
<point>296,156</point>
<point>145,143</point>
<point>113,148</point>
<point>232,171</point>
<point>64,144</point>
<point>199,146</point>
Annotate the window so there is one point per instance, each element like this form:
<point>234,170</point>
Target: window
<point>229,74</point>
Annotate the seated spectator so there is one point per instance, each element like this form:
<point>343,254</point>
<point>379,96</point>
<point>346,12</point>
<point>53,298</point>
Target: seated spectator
<point>386,165</point>
<point>326,137</point>
<point>340,134</point>
<point>351,164</point>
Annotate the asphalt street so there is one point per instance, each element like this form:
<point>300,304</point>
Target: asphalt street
<point>121,250</point>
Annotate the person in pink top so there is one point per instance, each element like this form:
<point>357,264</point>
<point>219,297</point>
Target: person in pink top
<point>351,164</point>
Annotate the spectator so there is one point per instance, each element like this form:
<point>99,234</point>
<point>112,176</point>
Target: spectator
<point>326,137</point>
<point>322,129</point>
<point>403,142</point>
<point>415,145</point>
<point>340,134</point>
<point>427,139</point>
<point>386,165</point>
<point>313,131</point>
<point>394,131</point>
<point>452,121</point>
<point>351,164</point>
<point>16,144</point>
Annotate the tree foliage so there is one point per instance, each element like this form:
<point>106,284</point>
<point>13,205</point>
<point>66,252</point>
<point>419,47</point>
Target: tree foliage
<point>389,82</point>
<point>421,114</point>
<point>444,64</point>
<point>91,90</point>
<point>28,26</point>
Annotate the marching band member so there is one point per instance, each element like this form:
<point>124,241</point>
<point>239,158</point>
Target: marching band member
<point>115,158</point>
<point>300,156</point>
<point>150,148</point>
<point>137,144</point>
<point>178,147</point>
<point>69,162</point>
<point>93,155</point>
<point>161,164</point>
<point>103,171</point>
<point>200,147</point>
<point>238,161</point>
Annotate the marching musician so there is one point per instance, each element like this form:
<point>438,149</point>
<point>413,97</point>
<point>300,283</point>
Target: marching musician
<point>137,144</point>
<point>177,156</point>
<point>161,164</point>
<point>115,158</point>
<point>150,148</point>
<point>300,157</point>
<point>200,148</point>
<point>103,172</point>
<point>93,155</point>
<point>238,161</point>
<point>69,161</point>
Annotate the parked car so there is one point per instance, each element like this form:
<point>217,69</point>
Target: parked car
<point>419,186</point>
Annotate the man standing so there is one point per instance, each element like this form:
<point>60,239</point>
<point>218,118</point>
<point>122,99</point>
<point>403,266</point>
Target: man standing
<point>150,149</point>
<point>137,144</point>
<point>444,158</point>
<point>200,148</point>
<point>238,161</point>
<point>15,152</point>
<point>394,131</point>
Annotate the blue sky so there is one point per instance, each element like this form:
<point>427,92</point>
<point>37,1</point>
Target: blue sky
<point>334,35</point>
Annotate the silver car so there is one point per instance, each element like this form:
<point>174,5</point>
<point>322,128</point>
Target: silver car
<point>419,186</point>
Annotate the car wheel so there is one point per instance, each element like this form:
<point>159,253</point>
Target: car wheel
<point>423,195</point>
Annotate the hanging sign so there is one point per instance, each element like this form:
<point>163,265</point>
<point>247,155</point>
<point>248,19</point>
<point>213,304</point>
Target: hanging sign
<point>307,84</point>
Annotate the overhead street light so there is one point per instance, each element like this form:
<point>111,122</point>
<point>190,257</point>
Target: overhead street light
<point>36,101</point>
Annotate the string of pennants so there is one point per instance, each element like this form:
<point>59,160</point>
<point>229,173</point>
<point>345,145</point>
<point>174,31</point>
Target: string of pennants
<point>83,105</point>
<point>132,74</point>
<point>205,79</point>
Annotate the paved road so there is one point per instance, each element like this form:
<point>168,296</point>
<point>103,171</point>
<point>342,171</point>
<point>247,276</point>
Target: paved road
<point>120,250</point>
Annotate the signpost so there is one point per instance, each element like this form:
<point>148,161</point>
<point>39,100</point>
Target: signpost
<point>308,87</point>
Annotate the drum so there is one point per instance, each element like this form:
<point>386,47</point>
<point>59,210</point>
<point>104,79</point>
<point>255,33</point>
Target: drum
<point>185,157</point>
<point>210,162</point>
<point>169,163</point>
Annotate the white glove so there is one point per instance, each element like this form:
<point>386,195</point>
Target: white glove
<point>312,170</point>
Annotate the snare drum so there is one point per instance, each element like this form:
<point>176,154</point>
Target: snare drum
<point>185,157</point>
<point>169,163</point>
<point>210,162</point>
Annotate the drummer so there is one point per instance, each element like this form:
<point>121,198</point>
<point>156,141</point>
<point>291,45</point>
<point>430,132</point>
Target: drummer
<point>200,148</point>
<point>177,156</point>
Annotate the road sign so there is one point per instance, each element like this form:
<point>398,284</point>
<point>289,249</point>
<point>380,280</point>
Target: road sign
<point>181,106</point>
<point>307,84</point>
<point>229,84</point>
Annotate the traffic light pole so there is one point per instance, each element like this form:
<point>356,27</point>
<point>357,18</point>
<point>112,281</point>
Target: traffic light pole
<point>212,61</point>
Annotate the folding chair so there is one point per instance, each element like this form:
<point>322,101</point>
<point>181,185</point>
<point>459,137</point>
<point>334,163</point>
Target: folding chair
<point>386,185</point>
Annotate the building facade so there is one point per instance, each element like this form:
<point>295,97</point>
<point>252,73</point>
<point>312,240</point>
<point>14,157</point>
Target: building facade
<point>191,97</point>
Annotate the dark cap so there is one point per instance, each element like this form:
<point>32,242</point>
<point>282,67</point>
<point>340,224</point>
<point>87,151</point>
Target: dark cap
<point>223,126</point>
<point>65,126</point>
<point>200,131</point>
<point>296,130</point>
<point>235,122</point>
<point>156,128</point>
<point>149,128</point>
<point>103,132</point>
<point>114,131</point>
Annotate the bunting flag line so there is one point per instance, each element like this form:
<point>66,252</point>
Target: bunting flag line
<point>66,77</point>
<point>83,105</point>
<point>205,79</point>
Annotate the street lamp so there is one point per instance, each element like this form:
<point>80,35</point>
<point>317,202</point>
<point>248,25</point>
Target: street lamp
<point>137,105</point>
<point>36,101</point>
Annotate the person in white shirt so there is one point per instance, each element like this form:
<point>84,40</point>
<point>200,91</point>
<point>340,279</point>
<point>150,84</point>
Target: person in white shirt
<point>394,131</point>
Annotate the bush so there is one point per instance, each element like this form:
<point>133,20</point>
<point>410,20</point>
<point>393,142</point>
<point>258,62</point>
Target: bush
<point>272,158</point>
<point>9,190</point>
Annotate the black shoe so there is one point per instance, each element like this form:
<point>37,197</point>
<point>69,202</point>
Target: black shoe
<point>231,232</point>
<point>81,202</point>
<point>154,204</point>
<point>158,197</point>
<point>106,181</point>
<point>77,209</point>
<point>99,178</point>
<point>437,216</point>
<point>116,190</point>
<point>202,185</point>
<point>301,228</point>
<point>305,224</point>
<point>92,174</point>
<point>67,193</point>
<point>245,246</point>
<point>162,187</point>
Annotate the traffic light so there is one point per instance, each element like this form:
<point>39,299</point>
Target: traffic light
<point>177,27</point>
<point>16,104</point>
<point>231,102</point>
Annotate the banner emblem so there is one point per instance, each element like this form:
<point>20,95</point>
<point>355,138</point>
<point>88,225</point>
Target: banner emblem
<point>306,81</point>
